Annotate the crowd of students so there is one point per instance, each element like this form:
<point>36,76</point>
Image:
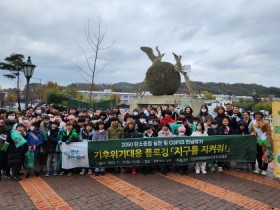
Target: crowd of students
<point>41,130</point>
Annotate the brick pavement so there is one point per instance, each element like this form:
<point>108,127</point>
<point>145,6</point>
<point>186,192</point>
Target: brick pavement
<point>255,190</point>
<point>177,194</point>
<point>82,192</point>
<point>13,197</point>
<point>233,190</point>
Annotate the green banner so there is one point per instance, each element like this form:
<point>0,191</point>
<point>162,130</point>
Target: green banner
<point>173,150</point>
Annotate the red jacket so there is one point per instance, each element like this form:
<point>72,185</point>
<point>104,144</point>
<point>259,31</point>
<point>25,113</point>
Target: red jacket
<point>166,120</point>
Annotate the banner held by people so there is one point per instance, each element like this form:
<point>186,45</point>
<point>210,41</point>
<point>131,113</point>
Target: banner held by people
<point>276,137</point>
<point>147,151</point>
<point>74,155</point>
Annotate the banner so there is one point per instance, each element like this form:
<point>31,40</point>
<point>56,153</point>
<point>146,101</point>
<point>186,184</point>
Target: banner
<point>276,137</point>
<point>173,150</point>
<point>74,155</point>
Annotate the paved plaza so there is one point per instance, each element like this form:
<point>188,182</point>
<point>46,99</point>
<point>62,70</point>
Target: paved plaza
<point>231,190</point>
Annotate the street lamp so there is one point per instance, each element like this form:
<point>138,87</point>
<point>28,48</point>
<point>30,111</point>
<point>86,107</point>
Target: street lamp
<point>28,69</point>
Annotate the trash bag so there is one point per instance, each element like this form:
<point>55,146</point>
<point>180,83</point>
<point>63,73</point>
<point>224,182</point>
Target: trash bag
<point>29,160</point>
<point>267,156</point>
<point>57,149</point>
<point>59,162</point>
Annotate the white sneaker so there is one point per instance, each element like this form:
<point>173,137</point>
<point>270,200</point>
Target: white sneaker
<point>257,171</point>
<point>89,172</point>
<point>213,169</point>
<point>83,172</point>
<point>264,173</point>
<point>203,171</point>
<point>197,171</point>
<point>220,169</point>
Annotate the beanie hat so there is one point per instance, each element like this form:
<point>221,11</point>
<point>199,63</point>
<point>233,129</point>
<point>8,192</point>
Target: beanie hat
<point>182,129</point>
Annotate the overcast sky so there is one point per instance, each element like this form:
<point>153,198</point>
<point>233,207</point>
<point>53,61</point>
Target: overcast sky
<point>223,41</point>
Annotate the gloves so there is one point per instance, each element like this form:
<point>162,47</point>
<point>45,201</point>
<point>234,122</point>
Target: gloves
<point>68,142</point>
<point>59,142</point>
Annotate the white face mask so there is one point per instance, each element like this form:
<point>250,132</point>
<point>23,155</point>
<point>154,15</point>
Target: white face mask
<point>203,110</point>
<point>25,121</point>
<point>11,117</point>
<point>135,113</point>
<point>198,128</point>
<point>142,120</point>
<point>31,128</point>
<point>39,111</point>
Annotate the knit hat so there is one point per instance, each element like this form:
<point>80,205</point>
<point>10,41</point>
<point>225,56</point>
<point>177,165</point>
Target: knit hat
<point>182,129</point>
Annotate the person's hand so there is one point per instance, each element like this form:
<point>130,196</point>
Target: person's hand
<point>68,142</point>
<point>59,142</point>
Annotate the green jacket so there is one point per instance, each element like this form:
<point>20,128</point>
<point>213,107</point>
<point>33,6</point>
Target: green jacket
<point>73,136</point>
<point>115,132</point>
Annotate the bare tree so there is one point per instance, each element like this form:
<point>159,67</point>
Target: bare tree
<point>94,62</point>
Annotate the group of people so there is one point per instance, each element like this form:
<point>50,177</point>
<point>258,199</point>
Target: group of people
<point>41,131</point>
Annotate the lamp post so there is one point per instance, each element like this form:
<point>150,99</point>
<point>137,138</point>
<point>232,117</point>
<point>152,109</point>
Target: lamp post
<point>28,69</point>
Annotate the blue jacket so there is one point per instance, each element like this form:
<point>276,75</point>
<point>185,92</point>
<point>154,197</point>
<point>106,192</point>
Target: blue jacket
<point>32,141</point>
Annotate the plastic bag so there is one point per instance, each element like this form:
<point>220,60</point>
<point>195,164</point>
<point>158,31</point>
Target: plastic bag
<point>57,149</point>
<point>267,156</point>
<point>29,160</point>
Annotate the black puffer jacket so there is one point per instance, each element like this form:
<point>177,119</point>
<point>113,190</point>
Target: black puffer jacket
<point>16,155</point>
<point>53,137</point>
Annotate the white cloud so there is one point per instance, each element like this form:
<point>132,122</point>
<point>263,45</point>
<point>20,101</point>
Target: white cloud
<point>224,41</point>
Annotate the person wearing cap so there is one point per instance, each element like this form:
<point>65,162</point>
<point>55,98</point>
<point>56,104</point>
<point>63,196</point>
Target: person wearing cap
<point>167,118</point>
<point>53,136</point>
<point>156,127</point>
<point>115,131</point>
<point>35,138</point>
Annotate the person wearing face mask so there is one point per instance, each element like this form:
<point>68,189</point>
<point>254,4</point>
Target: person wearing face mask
<point>203,115</point>
<point>5,129</point>
<point>136,113</point>
<point>37,111</point>
<point>35,138</point>
<point>141,123</point>
<point>200,131</point>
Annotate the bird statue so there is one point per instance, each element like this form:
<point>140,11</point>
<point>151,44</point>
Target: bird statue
<point>183,70</point>
<point>150,54</point>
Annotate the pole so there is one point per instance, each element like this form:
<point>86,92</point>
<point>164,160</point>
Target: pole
<point>27,92</point>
